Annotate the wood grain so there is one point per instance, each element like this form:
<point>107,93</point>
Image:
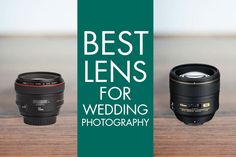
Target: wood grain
<point>19,140</point>
<point>216,138</point>
<point>172,138</point>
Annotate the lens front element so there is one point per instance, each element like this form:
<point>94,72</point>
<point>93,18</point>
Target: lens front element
<point>194,74</point>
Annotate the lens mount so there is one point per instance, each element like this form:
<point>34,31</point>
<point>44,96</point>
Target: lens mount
<point>194,92</point>
<point>39,96</point>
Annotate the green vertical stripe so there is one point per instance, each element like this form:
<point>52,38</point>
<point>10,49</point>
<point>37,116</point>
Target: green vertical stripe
<point>117,16</point>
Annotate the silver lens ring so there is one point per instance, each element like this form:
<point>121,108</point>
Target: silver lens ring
<point>194,74</point>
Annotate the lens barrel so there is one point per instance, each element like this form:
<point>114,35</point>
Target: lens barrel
<point>194,92</point>
<point>39,96</point>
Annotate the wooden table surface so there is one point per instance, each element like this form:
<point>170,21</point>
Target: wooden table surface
<point>216,138</point>
<point>19,55</point>
<point>172,138</point>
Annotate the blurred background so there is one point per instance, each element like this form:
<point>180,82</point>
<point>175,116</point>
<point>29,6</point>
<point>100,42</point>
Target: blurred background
<point>37,36</point>
<point>195,31</point>
<point>33,17</point>
<point>195,17</point>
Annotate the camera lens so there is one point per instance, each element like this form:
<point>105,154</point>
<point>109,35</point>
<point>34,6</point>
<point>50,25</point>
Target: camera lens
<point>39,96</point>
<point>194,92</point>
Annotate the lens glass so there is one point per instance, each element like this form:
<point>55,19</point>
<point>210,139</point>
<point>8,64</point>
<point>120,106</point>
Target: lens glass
<point>194,74</point>
<point>39,76</point>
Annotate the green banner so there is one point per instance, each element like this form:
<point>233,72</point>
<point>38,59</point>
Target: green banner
<point>115,78</point>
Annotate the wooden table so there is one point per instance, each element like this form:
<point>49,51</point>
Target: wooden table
<point>19,55</point>
<point>216,138</point>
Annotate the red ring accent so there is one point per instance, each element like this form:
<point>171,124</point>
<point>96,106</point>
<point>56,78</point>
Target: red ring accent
<point>42,86</point>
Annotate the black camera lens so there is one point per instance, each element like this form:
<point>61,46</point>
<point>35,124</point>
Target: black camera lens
<point>194,92</point>
<point>39,96</point>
